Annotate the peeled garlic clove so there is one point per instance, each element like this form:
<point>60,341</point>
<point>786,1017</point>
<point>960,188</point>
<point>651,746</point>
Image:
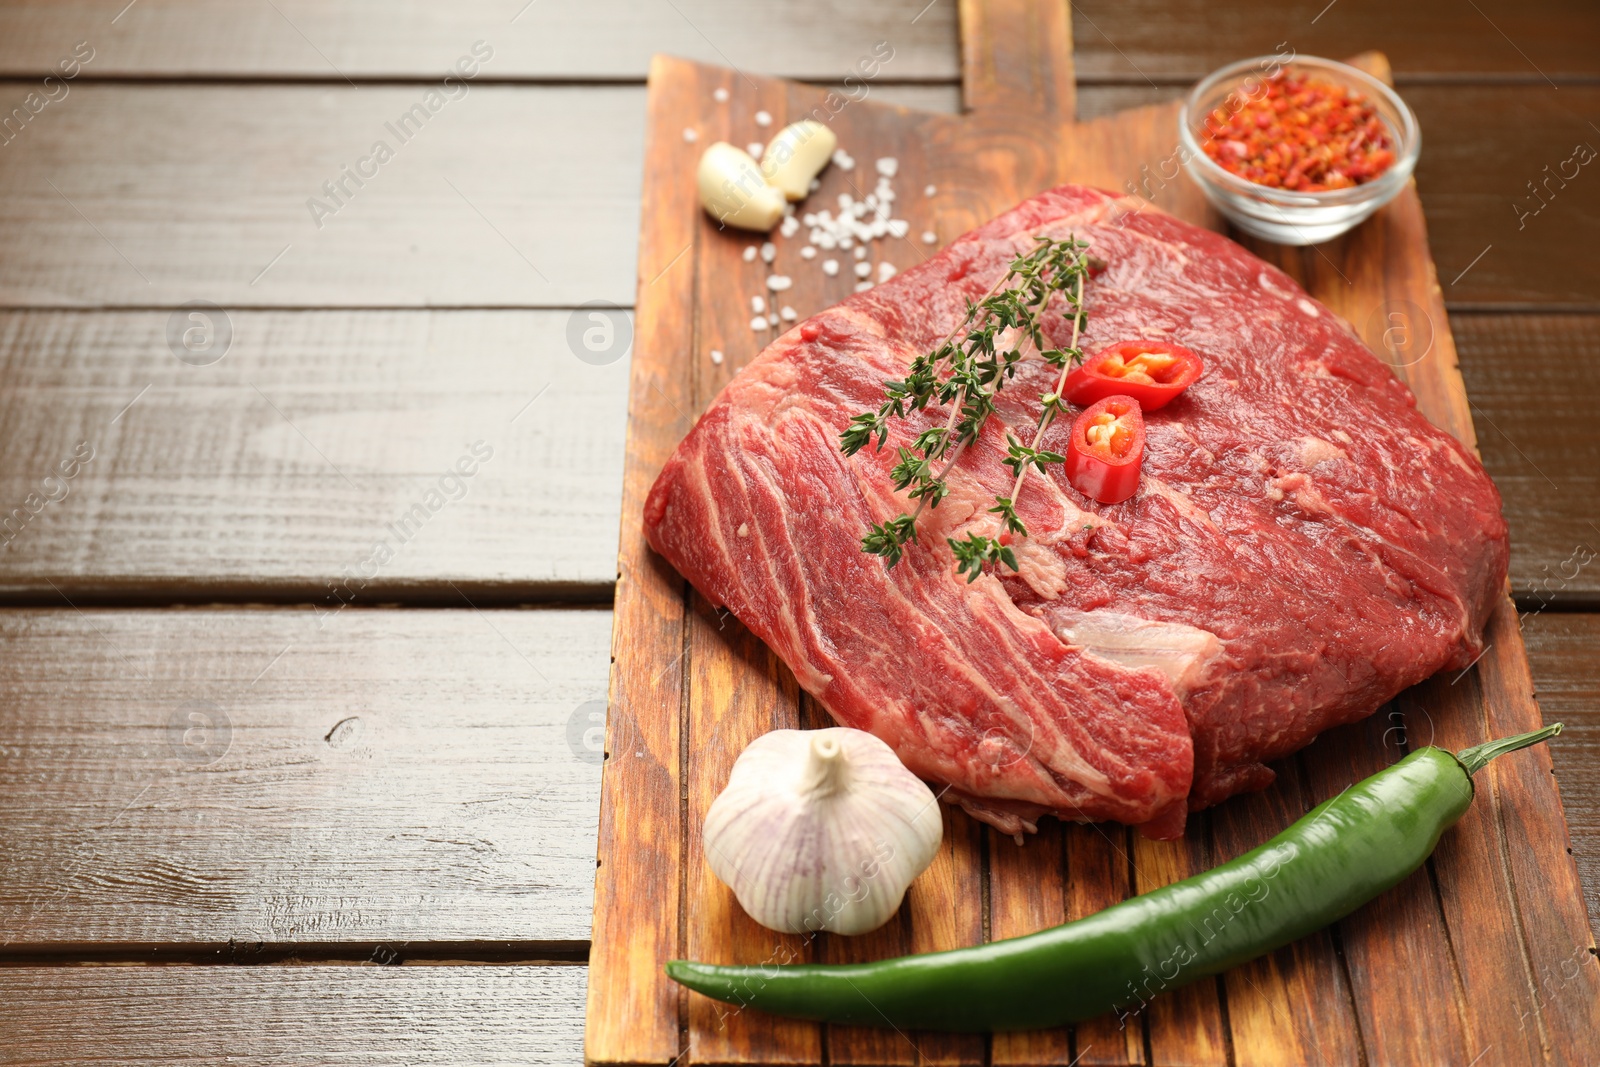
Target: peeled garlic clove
<point>734,192</point>
<point>796,155</point>
<point>821,830</point>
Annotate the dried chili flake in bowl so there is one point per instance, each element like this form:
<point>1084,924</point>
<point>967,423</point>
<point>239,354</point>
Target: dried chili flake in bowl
<point>1299,132</point>
<point>1296,149</point>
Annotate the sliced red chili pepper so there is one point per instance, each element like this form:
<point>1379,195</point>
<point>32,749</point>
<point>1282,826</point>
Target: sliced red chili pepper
<point>1152,372</point>
<point>1107,449</point>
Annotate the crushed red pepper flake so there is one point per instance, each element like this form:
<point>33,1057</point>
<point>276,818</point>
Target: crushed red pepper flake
<point>1300,133</point>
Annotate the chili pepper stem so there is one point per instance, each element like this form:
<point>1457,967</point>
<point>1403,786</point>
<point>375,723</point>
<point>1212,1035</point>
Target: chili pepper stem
<point>1477,757</point>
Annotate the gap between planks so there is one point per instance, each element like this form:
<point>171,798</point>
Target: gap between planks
<point>155,593</point>
<point>234,953</point>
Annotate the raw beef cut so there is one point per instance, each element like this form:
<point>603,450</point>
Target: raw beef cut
<point>1303,545</point>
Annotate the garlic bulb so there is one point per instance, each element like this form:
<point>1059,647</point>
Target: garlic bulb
<point>735,192</point>
<point>821,830</point>
<point>796,155</point>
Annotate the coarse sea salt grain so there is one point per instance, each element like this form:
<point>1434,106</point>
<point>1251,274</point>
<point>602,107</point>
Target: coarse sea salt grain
<point>720,96</point>
<point>758,304</point>
<point>787,313</point>
<point>887,166</point>
<point>843,160</point>
<point>758,323</point>
<point>689,133</point>
<point>885,271</point>
<point>769,252</point>
<point>830,267</point>
<point>790,227</point>
<point>716,356</point>
<point>808,252</point>
<point>779,282</point>
<point>862,287</point>
<point>750,253</point>
<point>755,148</point>
<point>861,252</point>
<point>763,118</point>
<point>929,237</point>
<point>863,269</point>
<point>899,227</point>
<point>929,190</point>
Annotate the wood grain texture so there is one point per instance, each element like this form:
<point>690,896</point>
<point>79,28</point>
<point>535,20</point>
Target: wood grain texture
<point>1135,40</point>
<point>158,195</point>
<point>314,460</point>
<point>609,40</point>
<point>1538,855</point>
<point>1160,40</point>
<point>1186,1028</point>
<point>1292,1005</point>
<point>1030,885</point>
<point>291,1016</point>
<point>216,493</point>
<point>546,219</point>
<point>1016,58</point>
<point>632,1010</point>
<point>188,782</point>
<point>1404,989</point>
<point>1530,379</point>
<point>738,690</point>
<point>1099,875</point>
<point>1564,653</point>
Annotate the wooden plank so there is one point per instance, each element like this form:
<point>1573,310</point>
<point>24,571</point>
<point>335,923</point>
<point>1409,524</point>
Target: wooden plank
<point>1390,975</point>
<point>604,41</point>
<point>180,781</point>
<point>1098,876</point>
<point>1029,887</point>
<point>252,1017</point>
<point>1293,1005</point>
<point>944,909</point>
<point>202,457</point>
<point>1482,145</point>
<point>738,690</point>
<point>313,460</point>
<point>1534,381</point>
<point>1538,855</point>
<point>632,1009</point>
<point>1016,60</point>
<point>1564,652</point>
<point>1475,893</point>
<point>559,200</point>
<point>544,219</point>
<point>1156,39</point>
<point>1135,40</point>
<point>1185,1026</point>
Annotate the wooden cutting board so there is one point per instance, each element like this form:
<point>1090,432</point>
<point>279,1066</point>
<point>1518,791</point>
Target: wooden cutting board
<point>1484,956</point>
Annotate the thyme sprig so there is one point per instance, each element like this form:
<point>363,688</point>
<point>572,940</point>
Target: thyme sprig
<point>964,372</point>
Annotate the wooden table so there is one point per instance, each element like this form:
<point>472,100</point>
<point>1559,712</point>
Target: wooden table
<point>306,605</point>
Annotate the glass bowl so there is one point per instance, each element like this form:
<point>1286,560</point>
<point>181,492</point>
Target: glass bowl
<point>1282,215</point>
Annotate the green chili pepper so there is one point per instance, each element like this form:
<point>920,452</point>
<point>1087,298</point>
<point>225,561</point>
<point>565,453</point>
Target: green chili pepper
<point>1346,851</point>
